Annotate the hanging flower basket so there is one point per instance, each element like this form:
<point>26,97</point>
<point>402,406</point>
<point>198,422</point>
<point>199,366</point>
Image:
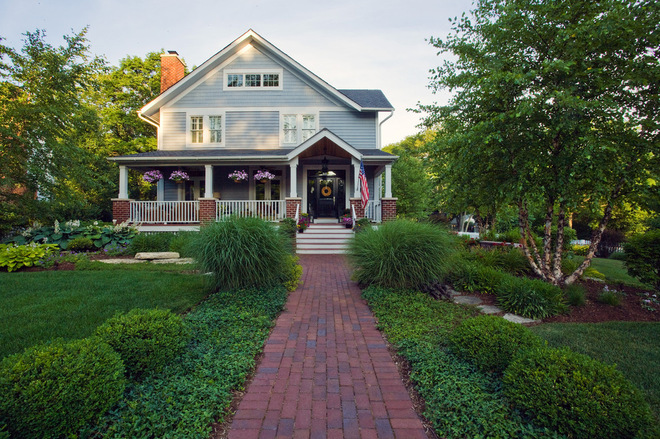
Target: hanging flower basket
<point>263,176</point>
<point>179,177</point>
<point>238,176</point>
<point>152,176</point>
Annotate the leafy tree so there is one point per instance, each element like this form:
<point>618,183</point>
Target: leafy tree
<point>411,181</point>
<point>556,102</point>
<point>42,119</point>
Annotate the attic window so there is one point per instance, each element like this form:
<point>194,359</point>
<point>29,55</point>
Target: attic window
<point>253,80</point>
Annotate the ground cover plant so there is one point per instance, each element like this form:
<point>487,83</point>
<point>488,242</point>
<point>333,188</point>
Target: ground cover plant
<point>460,401</point>
<point>242,252</point>
<point>71,304</point>
<point>195,389</point>
<point>400,254</point>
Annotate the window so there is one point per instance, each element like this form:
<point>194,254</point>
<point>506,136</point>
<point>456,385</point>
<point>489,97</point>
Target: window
<point>234,80</point>
<point>290,128</point>
<point>197,129</point>
<point>297,128</point>
<point>308,126</point>
<point>252,79</point>
<point>215,129</point>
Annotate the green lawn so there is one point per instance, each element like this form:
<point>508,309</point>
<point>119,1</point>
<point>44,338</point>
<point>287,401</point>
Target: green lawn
<point>633,346</point>
<point>614,271</point>
<point>40,306</point>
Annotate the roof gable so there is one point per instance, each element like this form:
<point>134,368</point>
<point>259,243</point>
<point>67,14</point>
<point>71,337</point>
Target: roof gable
<point>349,98</point>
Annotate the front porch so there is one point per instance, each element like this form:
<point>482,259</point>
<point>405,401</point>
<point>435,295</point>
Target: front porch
<point>320,178</point>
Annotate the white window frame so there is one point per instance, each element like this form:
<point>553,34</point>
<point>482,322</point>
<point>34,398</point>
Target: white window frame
<point>244,72</point>
<point>206,124</point>
<point>299,113</point>
<point>222,131</point>
<point>194,131</point>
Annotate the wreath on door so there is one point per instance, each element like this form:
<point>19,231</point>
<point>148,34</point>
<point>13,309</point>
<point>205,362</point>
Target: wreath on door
<point>326,191</point>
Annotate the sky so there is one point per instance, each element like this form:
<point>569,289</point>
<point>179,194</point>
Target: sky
<point>368,44</point>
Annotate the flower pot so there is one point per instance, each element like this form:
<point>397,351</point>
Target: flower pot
<point>349,226</point>
<point>237,181</point>
<point>264,180</point>
<point>178,181</point>
<point>300,230</point>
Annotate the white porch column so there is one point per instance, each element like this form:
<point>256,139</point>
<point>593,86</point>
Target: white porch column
<point>356,177</point>
<point>388,181</point>
<point>293,182</point>
<point>208,181</point>
<point>160,190</point>
<point>123,182</point>
<point>378,186</point>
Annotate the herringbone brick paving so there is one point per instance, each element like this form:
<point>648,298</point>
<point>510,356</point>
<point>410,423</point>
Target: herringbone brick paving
<point>326,371</point>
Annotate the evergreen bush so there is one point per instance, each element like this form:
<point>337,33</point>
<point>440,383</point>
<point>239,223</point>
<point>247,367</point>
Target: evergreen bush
<point>400,254</point>
<point>53,390</point>
<point>577,395</point>
<point>642,256</point>
<point>490,342</point>
<point>81,244</point>
<point>146,339</point>
<point>243,253</point>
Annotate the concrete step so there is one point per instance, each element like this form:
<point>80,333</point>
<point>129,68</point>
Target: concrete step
<point>314,240</point>
<point>324,238</point>
<point>320,252</point>
<point>334,246</point>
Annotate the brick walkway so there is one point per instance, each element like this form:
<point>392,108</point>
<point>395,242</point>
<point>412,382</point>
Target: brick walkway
<point>326,372</point>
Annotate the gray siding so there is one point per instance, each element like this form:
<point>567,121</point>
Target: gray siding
<point>358,129</point>
<point>295,93</point>
<point>174,130</point>
<point>252,129</point>
<point>227,188</point>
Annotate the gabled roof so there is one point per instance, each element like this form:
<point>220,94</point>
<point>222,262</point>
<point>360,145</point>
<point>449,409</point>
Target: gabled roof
<point>360,100</point>
<point>325,134</point>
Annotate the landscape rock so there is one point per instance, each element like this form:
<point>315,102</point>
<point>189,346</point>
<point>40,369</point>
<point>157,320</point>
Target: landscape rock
<point>489,309</point>
<point>121,261</point>
<point>157,255</point>
<point>518,319</point>
<point>467,300</point>
<point>174,261</point>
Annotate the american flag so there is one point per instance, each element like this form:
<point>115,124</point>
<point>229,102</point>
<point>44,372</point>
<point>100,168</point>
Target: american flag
<point>364,187</point>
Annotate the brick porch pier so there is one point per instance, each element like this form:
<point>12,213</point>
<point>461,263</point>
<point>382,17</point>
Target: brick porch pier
<point>326,372</point>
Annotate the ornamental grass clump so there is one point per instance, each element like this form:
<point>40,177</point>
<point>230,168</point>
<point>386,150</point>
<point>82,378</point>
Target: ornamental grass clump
<point>400,254</point>
<point>54,389</point>
<point>243,253</point>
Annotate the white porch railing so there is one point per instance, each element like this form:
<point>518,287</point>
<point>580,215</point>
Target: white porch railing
<point>269,210</point>
<point>373,211</point>
<point>164,212</point>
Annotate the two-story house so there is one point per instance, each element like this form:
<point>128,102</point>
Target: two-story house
<point>252,108</point>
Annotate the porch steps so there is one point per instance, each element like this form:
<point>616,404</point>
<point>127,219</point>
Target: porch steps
<point>324,239</point>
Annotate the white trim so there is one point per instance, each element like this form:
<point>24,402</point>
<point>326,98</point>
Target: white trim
<point>325,133</point>
<point>299,113</point>
<point>243,87</point>
<point>204,113</point>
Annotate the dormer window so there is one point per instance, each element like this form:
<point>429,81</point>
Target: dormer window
<point>253,80</point>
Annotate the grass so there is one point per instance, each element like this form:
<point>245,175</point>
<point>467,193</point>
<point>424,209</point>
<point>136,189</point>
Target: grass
<point>41,306</point>
<point>633,346</point>
<point>614,271</point>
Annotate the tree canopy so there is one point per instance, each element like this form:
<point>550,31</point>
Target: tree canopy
<point>556,102</point>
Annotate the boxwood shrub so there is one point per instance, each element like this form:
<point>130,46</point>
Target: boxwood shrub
<point>531,298</point>
<point>490,342</point>
<point>55,389</point>
<point>400,254</point>
<point>146,339</point>
<point>576,395</point>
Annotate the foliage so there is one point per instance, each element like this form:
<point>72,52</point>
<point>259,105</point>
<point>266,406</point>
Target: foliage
<point>151,242</point>
<point>508,259</point>
<point>575,394</point>
<point>43,119</point>
<point>411,182</point>
<point>183,243</point>
<point>553,107</point>
<point>303,221</point>
<point>103,236</point>
<point>400,254</point>
<point>179,176</point>
<point>293,273</point>
<point>531,298</point>
<point>617,256</point>
<point>576,294</point>
<point>55,259</point>
<point>580,250</point>
<point>81,243</point>
<point>37,307</point>
<point>460,401</point>
<point>288,228</point>
<point>632,346</point>
<point>473,277</point>
<point>242,252</point>
<point>54,389</point>
<point>490,342</point>
<point>642,256</point>
<point>146,339</point>
<point>152,176</point>
<point>610,297</point>
<point>15,257</point>
<point>362,224</point>
<point>228,331</point>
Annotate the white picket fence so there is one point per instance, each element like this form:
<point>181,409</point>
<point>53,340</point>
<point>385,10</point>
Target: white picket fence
<point>164,212</point>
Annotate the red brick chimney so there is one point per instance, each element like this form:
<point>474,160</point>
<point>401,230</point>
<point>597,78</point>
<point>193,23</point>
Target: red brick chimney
<point>172,69</point>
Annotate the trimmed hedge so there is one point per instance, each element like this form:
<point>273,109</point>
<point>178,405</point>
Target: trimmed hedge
<point>491,343</point>
<point>146,339</point>
<point>55,389</point>
<point>576,395</point>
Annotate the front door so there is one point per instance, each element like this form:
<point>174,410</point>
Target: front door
<point>325,194</point>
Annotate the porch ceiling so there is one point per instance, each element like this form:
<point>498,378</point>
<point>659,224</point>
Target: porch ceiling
<point>325,147</point>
